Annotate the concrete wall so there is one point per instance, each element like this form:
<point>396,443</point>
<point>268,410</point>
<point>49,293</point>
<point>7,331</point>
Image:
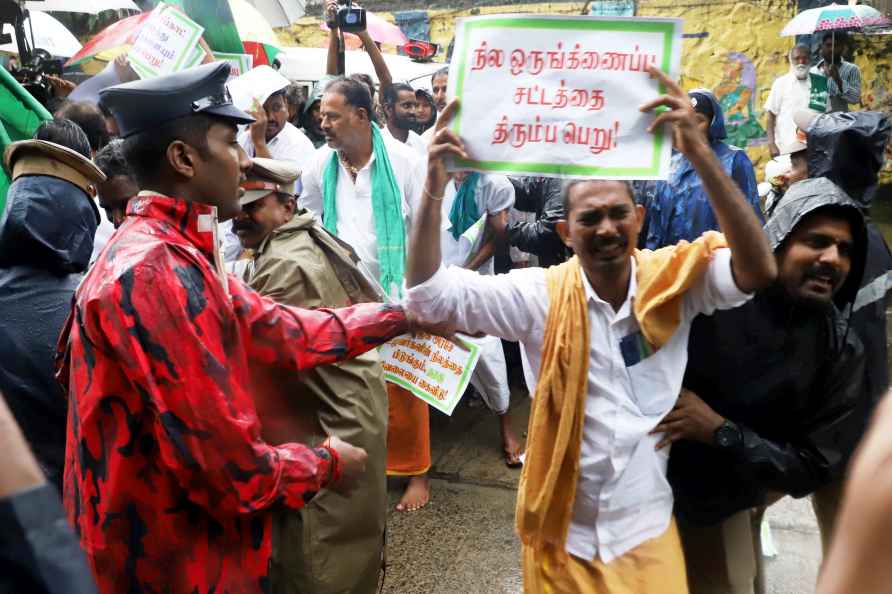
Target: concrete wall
<point>731,47</point>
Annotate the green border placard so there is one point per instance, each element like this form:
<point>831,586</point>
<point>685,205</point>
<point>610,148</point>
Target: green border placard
<point>462,382</point>
<point>148,71</point>
<point>632,25</point>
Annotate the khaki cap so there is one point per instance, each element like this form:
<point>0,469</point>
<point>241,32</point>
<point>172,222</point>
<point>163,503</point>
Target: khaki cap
<point>267,176</point>
<point>40,157</point>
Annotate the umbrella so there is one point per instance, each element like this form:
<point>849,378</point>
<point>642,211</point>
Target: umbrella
<point>255,31</point>
<point>106,45</point>
<point>280,13</point>
<point>86,6</point>
<point>381,30</point>
<point>49,34</point>
<point>834,17</point>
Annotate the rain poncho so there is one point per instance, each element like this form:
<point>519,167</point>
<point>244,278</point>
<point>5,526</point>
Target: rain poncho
<point>46,238</point>
<point>167,479</point>
<point>847,147</point>
<point>787,374</point>
<point>679,208</point>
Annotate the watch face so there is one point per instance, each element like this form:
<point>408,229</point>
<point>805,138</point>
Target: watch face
<point>727,435</point>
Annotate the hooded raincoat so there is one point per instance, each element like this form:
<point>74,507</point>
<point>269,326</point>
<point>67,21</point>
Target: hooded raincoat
<point>167,479</point>
<point>788,375</point>
<point>46,238</point>
<point>335,543</point>
<point>679,208</point>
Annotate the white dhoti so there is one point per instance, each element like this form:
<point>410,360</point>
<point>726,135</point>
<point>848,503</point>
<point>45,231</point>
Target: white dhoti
<point>490,377</point>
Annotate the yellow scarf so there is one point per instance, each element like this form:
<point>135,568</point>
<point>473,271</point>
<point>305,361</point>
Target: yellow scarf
<point>548,483</point>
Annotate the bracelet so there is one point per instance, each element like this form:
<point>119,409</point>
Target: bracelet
<point>431,196</point>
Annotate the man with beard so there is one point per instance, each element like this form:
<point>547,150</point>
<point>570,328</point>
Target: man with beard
<point>789,94</point>
<point>439,83</point>
<point>272,136</point>
<point>606,334</point>
<point>772,390</point>
<point>335,543</point>
<point>365,186</point>
<point>167,478</point>
<point>400,105</point>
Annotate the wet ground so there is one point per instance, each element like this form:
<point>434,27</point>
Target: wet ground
<point>463,542</point>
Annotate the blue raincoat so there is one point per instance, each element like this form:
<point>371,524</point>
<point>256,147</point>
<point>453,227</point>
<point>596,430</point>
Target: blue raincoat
<point>679,208</point>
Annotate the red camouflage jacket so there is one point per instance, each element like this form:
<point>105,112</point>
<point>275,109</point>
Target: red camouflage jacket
<point>167,480</point>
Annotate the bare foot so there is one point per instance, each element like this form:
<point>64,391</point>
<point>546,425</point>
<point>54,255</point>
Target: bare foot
<point>511,445</point>
<point>416,496</point>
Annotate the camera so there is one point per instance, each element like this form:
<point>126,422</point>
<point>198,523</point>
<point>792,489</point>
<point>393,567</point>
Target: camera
<point>33,64</point>
<point>350,18</point>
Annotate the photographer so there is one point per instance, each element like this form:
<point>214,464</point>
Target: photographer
<point>332,8</point>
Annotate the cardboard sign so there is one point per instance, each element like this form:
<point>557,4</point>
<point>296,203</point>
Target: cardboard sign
<point>238,63</point>
<point>432,368</point>
<point>166,43</point>
<point>559,96</point>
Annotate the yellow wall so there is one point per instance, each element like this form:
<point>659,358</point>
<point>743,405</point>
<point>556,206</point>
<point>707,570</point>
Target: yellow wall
<point>750,28</point>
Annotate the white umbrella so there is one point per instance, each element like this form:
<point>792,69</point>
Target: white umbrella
<point>280,13</point>
<point>834,17</point>
<point>49,34</point>
<point>87,6</point>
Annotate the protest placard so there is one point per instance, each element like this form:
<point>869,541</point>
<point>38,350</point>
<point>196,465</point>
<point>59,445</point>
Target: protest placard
<point>238,63</point>
<point>432,368</point>
<point>559,96</point>
<point>255,86</point>
<point>166,43</point>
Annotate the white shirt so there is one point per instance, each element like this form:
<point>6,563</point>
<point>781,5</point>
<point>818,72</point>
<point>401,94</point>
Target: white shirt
<point>413,141</point>
<point>788,95</point>
<point>622,496</point>
<point>494,194</point>
<point>290,144</point>
<point>356,220</point>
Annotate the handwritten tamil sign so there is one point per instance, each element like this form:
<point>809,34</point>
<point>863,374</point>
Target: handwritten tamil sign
<point>430,367</point>
<point>166,43</point>
<point>238,63</point>
<point>559,96</point>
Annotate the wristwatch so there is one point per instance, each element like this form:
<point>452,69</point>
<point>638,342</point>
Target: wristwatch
<point>728,436</point>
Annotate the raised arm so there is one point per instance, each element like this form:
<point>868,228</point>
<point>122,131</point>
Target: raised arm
<point>331,61</point>
<point>753,263</point>
<point>381,69</point>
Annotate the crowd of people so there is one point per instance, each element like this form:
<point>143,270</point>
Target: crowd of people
<point>194,294</point>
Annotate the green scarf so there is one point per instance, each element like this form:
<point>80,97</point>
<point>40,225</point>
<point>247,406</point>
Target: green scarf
<point>464,212</point>
<point>388,212</point>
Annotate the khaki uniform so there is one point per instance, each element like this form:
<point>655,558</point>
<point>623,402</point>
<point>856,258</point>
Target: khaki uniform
<point>335,543</point>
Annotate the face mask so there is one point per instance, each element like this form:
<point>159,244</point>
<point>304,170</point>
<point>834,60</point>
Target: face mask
<point>801,71</point>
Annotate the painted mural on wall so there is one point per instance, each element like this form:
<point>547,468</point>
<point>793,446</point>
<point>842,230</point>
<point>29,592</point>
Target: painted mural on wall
<point>736,93</point>
<point>878,97</point>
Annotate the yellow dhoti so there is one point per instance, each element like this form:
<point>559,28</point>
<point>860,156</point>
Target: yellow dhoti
<point>655,566</point>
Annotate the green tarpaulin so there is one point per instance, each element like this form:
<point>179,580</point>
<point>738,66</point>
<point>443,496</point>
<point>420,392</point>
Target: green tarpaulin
<point>20,115</point>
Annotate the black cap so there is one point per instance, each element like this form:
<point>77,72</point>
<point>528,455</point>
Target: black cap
<point>145,104</point>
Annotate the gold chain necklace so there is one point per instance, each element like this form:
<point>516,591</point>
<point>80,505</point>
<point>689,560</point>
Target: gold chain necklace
<point>353,171</point>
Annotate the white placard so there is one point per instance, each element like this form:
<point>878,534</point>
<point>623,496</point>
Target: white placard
<point>166,42</point>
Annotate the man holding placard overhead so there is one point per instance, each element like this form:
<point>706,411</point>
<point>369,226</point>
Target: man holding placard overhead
<point>594,508</point>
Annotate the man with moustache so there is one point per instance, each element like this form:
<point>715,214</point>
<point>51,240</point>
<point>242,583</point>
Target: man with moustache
<point>272,136</point>
<point>789,94</point>
<point>335,543</point>
<point>772,391</point>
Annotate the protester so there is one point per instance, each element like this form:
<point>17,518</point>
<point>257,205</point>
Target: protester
<point>439,83</point>
<point>39,553</point>
<point>476,207</point>
<point>843,77</point>
<point>295,98</point>
<point>542,196</point>
<point>796,170</point>
<point>46,238</point>
<point>91,120</point>
<point>594,511</point>
<point>859,557</point>
<point>680,208</point>
<point>848,148</point>
<point>789,94</point>
<point>119,186</point>
<point>66,133</point>
<point>311,118</point>
<point>364,187</point>
<point>272,136</point>
<point>335,543</point>
<point>425,112</point>
<point>400,106</point>
<point>771,391</point>
<point>167,478</point>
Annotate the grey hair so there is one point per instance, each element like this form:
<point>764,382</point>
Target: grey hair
<point>801,47</point>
